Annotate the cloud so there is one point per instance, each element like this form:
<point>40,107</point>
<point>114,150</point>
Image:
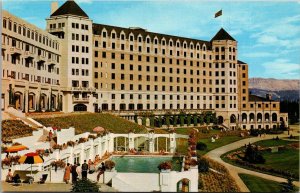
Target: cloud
<point>282,68</point>
<point>259,54</point>
<point>84,1</point>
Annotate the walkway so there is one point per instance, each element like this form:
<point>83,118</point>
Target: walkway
<point>234,170</point>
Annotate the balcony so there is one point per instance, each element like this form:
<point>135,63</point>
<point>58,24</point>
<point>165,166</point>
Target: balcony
<point>53,30</point>
<point>3,46</point>
<point>41,58</point>
<point>51,61</point>
<point>14,50</point>
<point>80,100</point>
<point>28,54</point>
<point>80,89</point>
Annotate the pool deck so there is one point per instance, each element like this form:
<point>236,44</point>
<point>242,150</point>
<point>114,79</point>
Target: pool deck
<point>48,187</point>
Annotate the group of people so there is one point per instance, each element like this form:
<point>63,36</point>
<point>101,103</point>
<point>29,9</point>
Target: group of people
<point>81,171</point>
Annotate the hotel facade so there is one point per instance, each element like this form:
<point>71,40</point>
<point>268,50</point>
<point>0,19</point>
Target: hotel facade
<point>78,65</point>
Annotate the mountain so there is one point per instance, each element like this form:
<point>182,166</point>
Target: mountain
<point>279,88</point>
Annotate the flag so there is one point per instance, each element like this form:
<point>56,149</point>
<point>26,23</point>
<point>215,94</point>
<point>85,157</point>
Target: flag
<point>219,13</point>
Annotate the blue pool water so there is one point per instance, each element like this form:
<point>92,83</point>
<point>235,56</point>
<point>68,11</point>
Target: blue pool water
<point>133,164</point>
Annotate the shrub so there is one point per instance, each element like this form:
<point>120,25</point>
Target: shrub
<point>109,164</point>
<point>165,165</point>
<point>201,146</point>
<point>92,137</point>
<point>254,132</point>
<point>289,186</point>
<point>85,185</point>
<point>203,165</point>
<point>193,162</point>
<point>71,143</point>
<point>252,155</point>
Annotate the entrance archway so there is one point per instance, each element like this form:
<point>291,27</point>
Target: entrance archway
<point>220,120</point>
<point>31,101</point>
<point>18,100</point>
<point>183,185</point>
<point>232,118</point>
<point>80,107</point>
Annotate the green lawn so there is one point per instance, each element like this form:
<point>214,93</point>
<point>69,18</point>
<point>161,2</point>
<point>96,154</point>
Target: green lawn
<point>286,159</point>
<point>218,143</point>
<point>271,143</point>
<point>86,123</point>
<point>257,184</point>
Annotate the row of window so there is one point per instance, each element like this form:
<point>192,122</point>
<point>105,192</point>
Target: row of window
<point>26,32</point>
<point>59,25</point>
<point>84,84</point>
<point>222,48</point>
<point>83,26</point>
<point>178,70</point>
<point>156,41</point>
<point>163,88</point>
<point>122,106</point>
<point>29,62</point>
<point>84,72</point>
<point>164,79</point>
<point>83,37</point>
<point>75,60</point>
<point>84,49</point>
<point>28,77</point>
<point>30,48</point>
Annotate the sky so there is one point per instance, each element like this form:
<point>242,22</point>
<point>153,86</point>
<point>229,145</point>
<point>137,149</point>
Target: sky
<point>268,32</point>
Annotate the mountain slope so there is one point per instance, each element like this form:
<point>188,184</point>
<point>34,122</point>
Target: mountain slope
<point>280,89</point>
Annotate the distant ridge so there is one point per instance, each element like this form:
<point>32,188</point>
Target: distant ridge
<point>280,89</point>
<point>273,84</point>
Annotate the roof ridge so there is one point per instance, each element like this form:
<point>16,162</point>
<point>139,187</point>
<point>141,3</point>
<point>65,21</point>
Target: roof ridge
<point>70,7</point>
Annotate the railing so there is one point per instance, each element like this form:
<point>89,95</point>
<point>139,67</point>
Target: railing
<point>80,99</point>
<point>15,50</point>
<point>90,89</point>
<point>157,111</point>
<point>41,58</point>
<point>60,29</point>
<point>28,54</point>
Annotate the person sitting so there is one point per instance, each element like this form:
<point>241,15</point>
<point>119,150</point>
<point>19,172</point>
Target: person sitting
<point>9,176</point>
<point>16,179</point>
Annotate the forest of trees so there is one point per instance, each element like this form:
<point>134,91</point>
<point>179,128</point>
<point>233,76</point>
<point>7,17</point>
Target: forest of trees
<point>292,108</point>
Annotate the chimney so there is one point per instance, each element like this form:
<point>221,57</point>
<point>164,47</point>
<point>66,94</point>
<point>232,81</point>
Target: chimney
<point>269,96</point>
<point>54,6</point>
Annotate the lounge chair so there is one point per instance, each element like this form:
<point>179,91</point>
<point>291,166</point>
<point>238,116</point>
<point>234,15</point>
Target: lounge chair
<point>43,179</point>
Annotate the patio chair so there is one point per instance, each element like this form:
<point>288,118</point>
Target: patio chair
<point>43,179</point>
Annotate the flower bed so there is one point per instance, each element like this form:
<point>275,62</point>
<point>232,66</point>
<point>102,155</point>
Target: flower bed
<point>12,129</point>
<point>215,182</point>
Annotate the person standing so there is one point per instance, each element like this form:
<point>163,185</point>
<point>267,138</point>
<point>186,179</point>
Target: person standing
<point>84,169</point>
<point>67,173</point>
<point>74,173</point>
<point>78,170</point>
<point>50,135</point>
<point>101,171</point>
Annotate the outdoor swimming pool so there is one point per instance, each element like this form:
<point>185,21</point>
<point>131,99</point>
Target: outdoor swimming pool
<point>144,164</point>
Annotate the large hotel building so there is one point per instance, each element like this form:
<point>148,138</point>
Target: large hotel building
<point>78,65</point>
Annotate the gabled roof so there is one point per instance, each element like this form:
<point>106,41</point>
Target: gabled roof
<point>70,7</point>
<point>97,29</point>
<point>222,35</point>
<point>241,62</point>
